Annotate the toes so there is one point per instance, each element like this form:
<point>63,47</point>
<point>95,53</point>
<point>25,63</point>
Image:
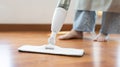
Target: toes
<point>95,39</point>
<point>101,39</point>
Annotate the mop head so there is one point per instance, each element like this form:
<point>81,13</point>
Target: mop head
<point>52,49</point>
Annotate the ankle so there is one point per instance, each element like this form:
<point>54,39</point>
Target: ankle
<point>78,32</point>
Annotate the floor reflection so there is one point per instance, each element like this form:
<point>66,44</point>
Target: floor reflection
<point>118,57</point>
<point>96,54</point>
<point>5,56</point>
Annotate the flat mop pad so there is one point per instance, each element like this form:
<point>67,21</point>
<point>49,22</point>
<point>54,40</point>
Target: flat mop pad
<point>53,50</point>
<point>57,23</point>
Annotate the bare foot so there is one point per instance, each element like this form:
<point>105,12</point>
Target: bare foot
<point>101,37</point>
<point>71,35</point>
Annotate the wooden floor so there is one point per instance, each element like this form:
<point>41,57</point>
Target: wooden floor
<point>97,54</point>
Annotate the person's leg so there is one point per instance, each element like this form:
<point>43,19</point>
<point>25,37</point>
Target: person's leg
<point>84,22</point>
<point>110,24</point>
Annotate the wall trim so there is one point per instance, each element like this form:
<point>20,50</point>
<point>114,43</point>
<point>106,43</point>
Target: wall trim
<point>35,27</point>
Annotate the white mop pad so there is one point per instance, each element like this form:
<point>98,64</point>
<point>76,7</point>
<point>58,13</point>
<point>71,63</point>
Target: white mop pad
<point>52,49</point>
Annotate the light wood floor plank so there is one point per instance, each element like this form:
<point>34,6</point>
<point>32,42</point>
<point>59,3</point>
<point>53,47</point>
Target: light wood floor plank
<point>97,54</point>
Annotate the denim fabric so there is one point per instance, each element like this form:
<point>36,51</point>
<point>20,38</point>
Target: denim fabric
<point>110,23</point>
<point>85,21</point>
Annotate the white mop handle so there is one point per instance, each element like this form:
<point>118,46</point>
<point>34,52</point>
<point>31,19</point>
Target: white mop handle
<point>52,38</point>
<point>60,15</point>
<point>58,19</point>
<point>57,23</point>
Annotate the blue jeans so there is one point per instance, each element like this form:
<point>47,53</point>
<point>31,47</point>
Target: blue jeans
<point>85,21</point>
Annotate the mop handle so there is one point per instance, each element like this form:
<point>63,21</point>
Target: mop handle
<point>58,19</point>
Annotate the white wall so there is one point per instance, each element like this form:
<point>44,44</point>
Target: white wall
<point>30,11</point>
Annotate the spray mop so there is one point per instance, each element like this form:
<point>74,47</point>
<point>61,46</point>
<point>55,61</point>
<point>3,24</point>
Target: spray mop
<point>57,23</point>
